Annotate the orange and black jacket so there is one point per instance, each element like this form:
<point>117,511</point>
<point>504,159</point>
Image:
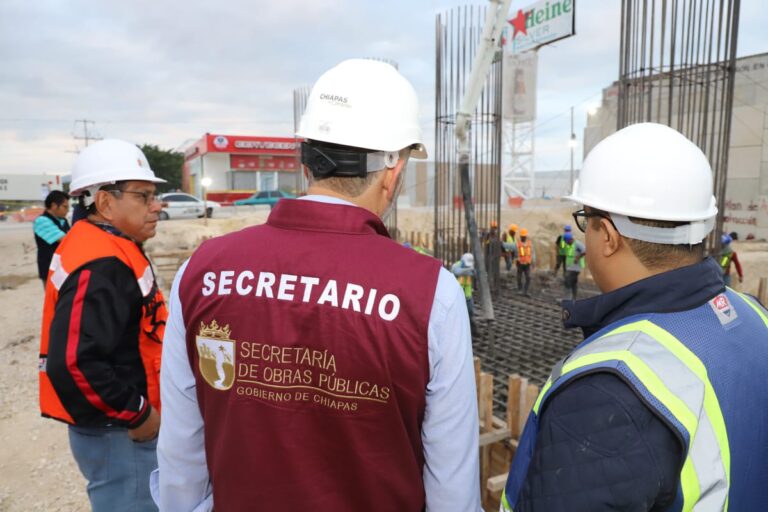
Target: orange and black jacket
<point>103,322</point>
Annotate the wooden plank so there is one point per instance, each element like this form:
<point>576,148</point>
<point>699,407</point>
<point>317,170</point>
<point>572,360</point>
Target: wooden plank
<point>531,394</point>
<point>499,423</point>
<point>496,483</point>
<point>513,405</point>
<point>493,436</point>
<point>762,292</point>
<point>486,416</point>
<point>476,360</point>
<point>486,400</point>
<point>523,409</point>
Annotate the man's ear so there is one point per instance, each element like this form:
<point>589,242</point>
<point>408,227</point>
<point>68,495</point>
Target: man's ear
<point>390,178</point>
<point>611,239</point>
<point>104,204</point>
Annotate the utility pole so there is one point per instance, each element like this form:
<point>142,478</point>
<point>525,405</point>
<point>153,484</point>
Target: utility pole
<point>85,137</point>
<point>572,144</point>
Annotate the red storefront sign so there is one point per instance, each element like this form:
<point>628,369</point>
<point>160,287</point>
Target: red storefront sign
<point>262,163</point>
<point>243,144</point>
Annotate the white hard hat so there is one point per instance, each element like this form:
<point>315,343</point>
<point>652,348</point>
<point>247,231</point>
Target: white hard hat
<point>468,260</point>
<point>364,104</point>
<point>650,171</point>
<point>109,161</point>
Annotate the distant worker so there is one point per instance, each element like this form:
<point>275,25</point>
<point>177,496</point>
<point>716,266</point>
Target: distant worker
<point>663,406</point>
<point>352,384</point>
<point>560,249</point>
<point>493,251</point>
<point>49,229</point>
<point>525,260</point>
<point>103,323</point>
<point>464,270</point>
<point>418,248</point>
<point>574,263</point>
<point>508,243</point>
<point>728,256</point>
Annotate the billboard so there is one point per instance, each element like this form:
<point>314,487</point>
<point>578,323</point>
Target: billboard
<point>28,187</point>
<point>519,97</point>
<point>542,23</point>
<point>248,144</point>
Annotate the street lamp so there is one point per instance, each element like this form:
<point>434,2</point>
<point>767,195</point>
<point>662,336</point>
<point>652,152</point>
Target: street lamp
<point>205,182</point>
<point>572,144</point>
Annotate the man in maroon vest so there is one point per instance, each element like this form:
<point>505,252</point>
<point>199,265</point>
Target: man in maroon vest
<point>312,363</point>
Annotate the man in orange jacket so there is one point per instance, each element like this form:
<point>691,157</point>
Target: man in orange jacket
<point>103,324</point>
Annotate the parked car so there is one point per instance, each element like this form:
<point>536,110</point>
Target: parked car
<point>178,205</point>
<point>270,197</point>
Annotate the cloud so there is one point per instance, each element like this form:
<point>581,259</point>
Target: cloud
<point>165,72</point>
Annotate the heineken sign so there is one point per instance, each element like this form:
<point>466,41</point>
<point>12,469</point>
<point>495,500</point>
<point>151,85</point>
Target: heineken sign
<point>544,22</point>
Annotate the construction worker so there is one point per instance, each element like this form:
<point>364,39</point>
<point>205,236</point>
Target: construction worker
<point>663,406</point>
<point>509,244</point>
<point>418,248</point>
<point>351,385</point>
<point>103,323</point>
<point>493,251</point>
<point>561,249</point>
<point>49,229</point>
<point>728,256</point>
<point>574,263</point>
<point>525,260</point>
<point>464,270</point>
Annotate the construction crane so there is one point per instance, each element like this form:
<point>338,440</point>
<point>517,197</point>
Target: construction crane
<point>495,18</point>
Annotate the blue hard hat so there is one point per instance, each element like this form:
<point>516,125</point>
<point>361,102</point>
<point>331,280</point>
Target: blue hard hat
<point>567,237</point>
<point>726,239</point>
<point>567,228</point>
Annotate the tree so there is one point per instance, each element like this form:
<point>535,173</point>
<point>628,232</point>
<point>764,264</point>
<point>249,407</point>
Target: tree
<point>166,164</point>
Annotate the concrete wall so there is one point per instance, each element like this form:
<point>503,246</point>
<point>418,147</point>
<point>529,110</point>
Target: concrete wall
<point>746,210</point>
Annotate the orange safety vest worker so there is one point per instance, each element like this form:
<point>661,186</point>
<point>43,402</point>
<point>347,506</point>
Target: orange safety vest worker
<point>524,252</point>
<point>86,243</point>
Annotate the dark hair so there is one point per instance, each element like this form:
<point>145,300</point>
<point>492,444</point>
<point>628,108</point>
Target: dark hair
<point>655,256</point>
<point>55,198</point>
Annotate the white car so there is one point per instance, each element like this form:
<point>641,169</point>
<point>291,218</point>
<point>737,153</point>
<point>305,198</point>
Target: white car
<point>178,205</point>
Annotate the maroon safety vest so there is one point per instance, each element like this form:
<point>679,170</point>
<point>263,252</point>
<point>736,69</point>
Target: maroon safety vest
<point>308,340</point>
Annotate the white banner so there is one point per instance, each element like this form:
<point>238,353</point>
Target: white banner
<point>544,22</point>
<point>519,98</point>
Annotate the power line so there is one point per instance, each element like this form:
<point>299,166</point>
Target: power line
<point>86,136</point>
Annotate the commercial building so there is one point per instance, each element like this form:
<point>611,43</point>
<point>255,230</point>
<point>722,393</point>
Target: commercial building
<point>746,206</point>
<point>239,165</point>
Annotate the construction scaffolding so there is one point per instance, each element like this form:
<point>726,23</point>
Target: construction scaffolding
<point>457,35</point>
<point>676,67</point>
<point>300,96</point>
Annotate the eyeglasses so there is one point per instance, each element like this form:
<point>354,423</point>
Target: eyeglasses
<point>581,218</point>
<point>147,197</point>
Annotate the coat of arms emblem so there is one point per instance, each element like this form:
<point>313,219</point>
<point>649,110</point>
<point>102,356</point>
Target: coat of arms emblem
<point>216,355</point>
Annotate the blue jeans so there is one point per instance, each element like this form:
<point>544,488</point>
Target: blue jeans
<point>116,468</point>
<point>727,279</point>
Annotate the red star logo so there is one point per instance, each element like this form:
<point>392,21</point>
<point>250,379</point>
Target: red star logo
<point>518,22</point>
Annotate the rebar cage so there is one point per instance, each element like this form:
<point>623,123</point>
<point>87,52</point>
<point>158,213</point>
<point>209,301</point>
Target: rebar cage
<point>677,62</point>
<point>457,36</point>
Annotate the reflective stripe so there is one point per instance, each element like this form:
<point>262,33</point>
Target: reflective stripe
<point>146,281</point>
<point>676,378</point>
<point>505,506</point>
<point>754,306</point>
<point>59,274</point>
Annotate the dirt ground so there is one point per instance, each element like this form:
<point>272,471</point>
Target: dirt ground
<point>37,472</point>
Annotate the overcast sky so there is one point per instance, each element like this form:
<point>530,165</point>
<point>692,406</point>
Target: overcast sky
<point>164,72</point>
